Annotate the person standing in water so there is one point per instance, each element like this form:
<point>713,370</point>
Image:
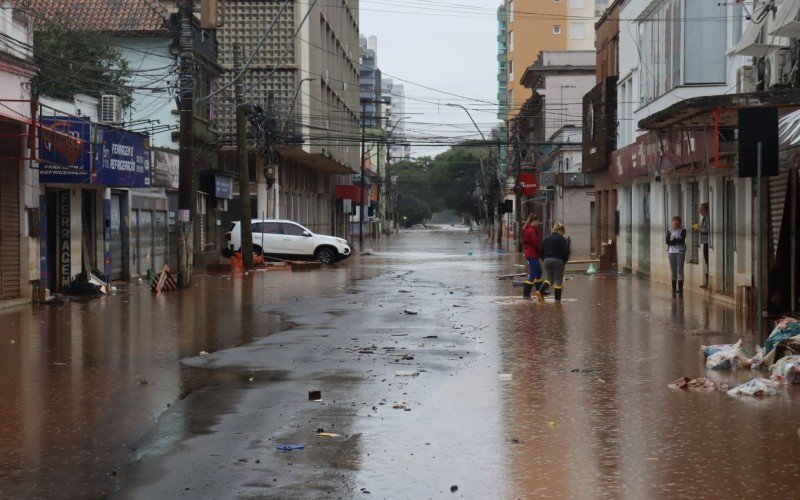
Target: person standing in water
<point>676,249</point>
<point>531,244</point>
<point>555,252</point>
<point>703,227</point>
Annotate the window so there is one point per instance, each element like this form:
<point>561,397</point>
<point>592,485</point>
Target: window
<point>556,29</point>
<point>292,230</point>
<point>577,31</point>
<point>738,16</point>
<point>510,71</point>
<point>707,65</point>
<point>269,228</point>
<point>511,11</point>
<point>511,41</point>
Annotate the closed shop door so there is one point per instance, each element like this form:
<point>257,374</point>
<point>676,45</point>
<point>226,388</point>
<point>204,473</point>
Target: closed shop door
<point>778,186</point>
<point>644,231</point>
<point>9,231</point>
<point>115,242</point>
<point>145,242</point>
<point>160,240</point>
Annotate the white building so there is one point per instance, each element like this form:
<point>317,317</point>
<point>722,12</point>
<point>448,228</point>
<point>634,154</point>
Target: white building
<point>670,51</point>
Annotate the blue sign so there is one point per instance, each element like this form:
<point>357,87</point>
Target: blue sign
<point>223,187</point>
<point>68,156</point>
<point>121,160</point>
<point>65,150</point>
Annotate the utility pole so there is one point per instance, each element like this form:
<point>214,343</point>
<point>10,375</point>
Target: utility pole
<point>245,225</point>
<point>363,168</point>
<point>186,192</point>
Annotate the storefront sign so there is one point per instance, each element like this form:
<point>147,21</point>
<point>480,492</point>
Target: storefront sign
<point>657,153</point>
<point>123,160</point>
<point>529,183</point>
<point>64,240</point>
<point>223,187</point>
<point>65,150</point>
<point>165,169</point>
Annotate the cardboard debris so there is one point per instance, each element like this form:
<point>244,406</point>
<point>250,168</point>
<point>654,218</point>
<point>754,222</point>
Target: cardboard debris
<point>698,383</point>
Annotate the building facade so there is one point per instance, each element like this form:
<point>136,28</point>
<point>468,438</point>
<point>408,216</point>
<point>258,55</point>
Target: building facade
<point>19,197</point>
<point>669,172</point>
<point>308,62</point>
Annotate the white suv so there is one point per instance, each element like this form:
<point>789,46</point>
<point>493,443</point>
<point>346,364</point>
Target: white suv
<point>287,239</point>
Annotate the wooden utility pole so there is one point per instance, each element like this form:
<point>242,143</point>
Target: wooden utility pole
<point>186,192</point>
<point>245,225</point>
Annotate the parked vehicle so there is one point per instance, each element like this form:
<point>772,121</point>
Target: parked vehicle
<point>288,240</point>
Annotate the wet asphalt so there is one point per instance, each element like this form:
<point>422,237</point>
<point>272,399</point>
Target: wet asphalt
<point>189,394</point>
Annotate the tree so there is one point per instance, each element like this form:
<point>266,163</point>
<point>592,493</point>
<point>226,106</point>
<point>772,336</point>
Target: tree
<point>74,62</point>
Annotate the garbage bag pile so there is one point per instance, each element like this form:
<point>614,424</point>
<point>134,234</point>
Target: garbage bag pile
<point>725,356</point>
<point>755,387</point>
<point>786,370</point>
<point>783,341</point>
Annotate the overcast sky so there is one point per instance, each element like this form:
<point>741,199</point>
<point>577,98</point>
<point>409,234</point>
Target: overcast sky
<point>448,45</point>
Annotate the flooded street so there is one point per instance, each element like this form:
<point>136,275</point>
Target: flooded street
<point>432,373</point>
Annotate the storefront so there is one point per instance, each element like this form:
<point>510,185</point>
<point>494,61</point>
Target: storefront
<point>86,170</point>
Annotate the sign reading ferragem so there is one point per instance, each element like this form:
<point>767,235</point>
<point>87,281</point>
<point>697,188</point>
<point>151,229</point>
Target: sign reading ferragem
<point>69,155</point>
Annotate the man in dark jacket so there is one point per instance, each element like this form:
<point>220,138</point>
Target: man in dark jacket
<point>555,252</point>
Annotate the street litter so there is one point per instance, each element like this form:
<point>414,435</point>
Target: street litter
<point>328,434</point>
<point>290,447</point>
<point>725,356</point>
<point>204,353</point>
<point>755,387</point>
<point>698,383</point>
<point>314,395</point>
<point>410,312</point>
<point>786,370</point>
<point>504,377</point>
<point>783,341</point>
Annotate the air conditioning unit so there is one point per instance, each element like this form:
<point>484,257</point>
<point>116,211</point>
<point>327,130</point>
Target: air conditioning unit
<point>776,68</point>
<point>746,79</point>
<point>111,109</point>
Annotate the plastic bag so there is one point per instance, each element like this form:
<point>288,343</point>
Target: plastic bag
<point>756,361</point>
<point>708,350</point>
<point>786,370</point>
<point>728,359</point>
<point>784,329</point>
<point>755,387</point>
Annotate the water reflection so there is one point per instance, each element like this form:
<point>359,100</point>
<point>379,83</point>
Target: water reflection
<point>589,414</point>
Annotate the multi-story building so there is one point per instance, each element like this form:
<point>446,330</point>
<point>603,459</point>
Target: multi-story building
<point>19,197</point>
<point>600,132</point>
<point>667,164</point>
<point>304,54</point>
<point>548,132</point>
<point>371,85</point>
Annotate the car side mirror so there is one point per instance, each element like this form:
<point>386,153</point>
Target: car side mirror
<point>306,233</point>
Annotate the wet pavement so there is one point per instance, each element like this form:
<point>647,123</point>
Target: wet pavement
<point>479,389</point>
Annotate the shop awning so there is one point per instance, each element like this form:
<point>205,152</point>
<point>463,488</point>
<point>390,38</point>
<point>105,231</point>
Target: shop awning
<point>317,162</point>
<point>786,22</point>
<point>698,112</point>
<point>348,192</point>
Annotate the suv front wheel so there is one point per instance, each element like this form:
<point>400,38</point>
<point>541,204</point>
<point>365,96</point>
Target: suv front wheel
<point>325,255</point>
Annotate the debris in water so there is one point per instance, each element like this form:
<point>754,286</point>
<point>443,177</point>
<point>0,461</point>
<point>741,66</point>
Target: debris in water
<point>314,395</point>
<point>406,373</point>
<point>328,434</point>
<point>454,488</point>
<point>204,353</point>
<point>505,377</point>
<point>290,447</point>
<point>410,312</point>
<point>698,383</point>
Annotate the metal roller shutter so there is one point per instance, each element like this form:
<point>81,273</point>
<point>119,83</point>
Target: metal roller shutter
<point>9,231</point>
<point>777,201</point>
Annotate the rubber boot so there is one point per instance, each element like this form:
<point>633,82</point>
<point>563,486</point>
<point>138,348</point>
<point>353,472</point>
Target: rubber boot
<point>674,289</point>
<point>680,287</point>
<point>526,290</point>
<point>557,293</point>
<point>705,281</point>
<point>537,284</point>
<point>542,291</point>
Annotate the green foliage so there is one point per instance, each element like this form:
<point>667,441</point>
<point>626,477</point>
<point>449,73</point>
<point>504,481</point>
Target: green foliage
<point>70,62</point>
<point>450,180</point>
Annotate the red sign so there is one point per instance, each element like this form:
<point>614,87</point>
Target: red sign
<point>529,184</point>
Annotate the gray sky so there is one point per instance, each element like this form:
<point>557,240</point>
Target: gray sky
<point>447,45</point>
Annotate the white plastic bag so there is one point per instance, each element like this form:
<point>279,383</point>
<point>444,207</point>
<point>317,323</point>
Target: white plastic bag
<point>786,370</point>
<point>732,358</point>
<point>708,350</point>
<point>755,387</point>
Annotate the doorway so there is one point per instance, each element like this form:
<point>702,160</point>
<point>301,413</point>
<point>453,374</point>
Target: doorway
<point>728,236</point>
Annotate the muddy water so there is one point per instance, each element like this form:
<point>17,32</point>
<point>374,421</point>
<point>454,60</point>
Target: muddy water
<point>83,383</point>
<point>89,387</point>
